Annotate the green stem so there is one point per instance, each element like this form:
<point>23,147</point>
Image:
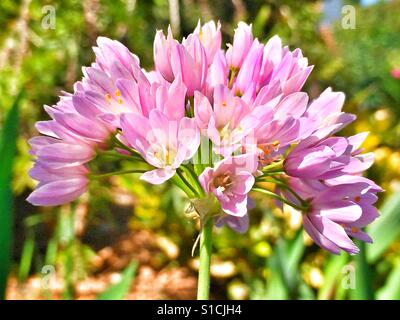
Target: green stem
<point>194,181</point>
<point>203,288</point>
<point>183,186</point>
<point>210,153</point>
<point>274,167</point>
<point>269,174</point>
<point>198,167</point>
<point>274,195</point>
<point>132,157</point>
<point>187,183</point>
<point>283,184</point>
<point>121,145</point>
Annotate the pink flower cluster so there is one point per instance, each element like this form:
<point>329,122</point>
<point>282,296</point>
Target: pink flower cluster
<point>245,101</point>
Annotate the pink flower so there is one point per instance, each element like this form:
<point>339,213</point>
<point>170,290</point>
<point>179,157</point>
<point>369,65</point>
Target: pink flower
<point>217,74</point>
<point>227,122</point>
<point>249,74</point>
<point>327,115</point>
<point>281,123</point>
<point>210,37</point>
<point>57,185</point>
<point>162,54</point>
<point>395,72</point>
<point>82,122</point>
<point>291,71</point>
<point>242,42</point>
<point>163,143</point>
<point>230,181</point>
<point>188,60</point>
<point>329,158</point>
<point>339,212</point>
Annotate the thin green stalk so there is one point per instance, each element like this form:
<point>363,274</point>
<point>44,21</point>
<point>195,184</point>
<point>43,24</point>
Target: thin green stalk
<point>26,257</point>
<point>203,288</point>
<point>193,178</point>
<point>282,183</point>
<point>187,183</point>
<point>121,145</point>
<point>132,157</point>
<point>275,165</point>
<point>198,167</point>
<point>210,153</point>
<point>181,184</point>
<point>269,174</point>
<point>274,195</point>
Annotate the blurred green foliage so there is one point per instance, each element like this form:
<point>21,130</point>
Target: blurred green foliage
<point>274,260</point>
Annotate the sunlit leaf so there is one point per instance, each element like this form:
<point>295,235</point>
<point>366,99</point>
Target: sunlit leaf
<point>385,229</point>
<point>391,289</point>
<point>363,288</point>
<point>332,271</point>
<point>276,287</point>
<point>119,290</point>
<point>26,257</point>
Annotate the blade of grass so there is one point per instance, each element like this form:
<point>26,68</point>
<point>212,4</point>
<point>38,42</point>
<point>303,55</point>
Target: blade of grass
<point>385,229</point>
<point>26,257</point>
<point>8,139</point>
<point>332,271</point>
<point>119,290</point>
<point>391,289</point>
<point>294,255</point>
<point>276,288</point>
<point>363,289</point>
<point>278,285</point>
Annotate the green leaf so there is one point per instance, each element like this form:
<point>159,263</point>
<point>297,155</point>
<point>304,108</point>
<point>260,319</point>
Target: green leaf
<point>26,257</point>
<point>391,289</point>
<point>332,271</point>
<point>363,289</point>
<point>276,287</point>
<point>385,229</point>
<point>285,279</point>
<point>8,139</point>
<point>294,254</point>
<point>119,290</point>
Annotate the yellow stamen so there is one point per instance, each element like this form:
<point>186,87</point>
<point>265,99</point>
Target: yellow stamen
<point>118,93</point>
<point>119,100</point>
<point>108,97</point>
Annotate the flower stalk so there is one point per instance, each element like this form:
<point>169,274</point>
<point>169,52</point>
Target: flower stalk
<point>203,288</point>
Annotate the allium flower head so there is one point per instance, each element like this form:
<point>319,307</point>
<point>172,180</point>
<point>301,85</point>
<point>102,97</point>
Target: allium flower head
<point>243,101</point>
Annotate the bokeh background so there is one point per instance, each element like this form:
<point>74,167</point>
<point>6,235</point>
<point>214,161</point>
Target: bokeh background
<point>126,239</point>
